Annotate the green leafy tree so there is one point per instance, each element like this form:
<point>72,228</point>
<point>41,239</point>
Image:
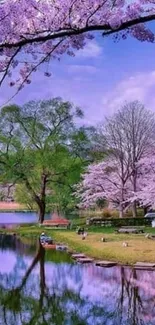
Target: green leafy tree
<point>41,149</point>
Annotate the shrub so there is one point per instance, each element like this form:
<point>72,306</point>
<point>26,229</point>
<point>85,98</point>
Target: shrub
<point>106,213</point>
<point>120,222</point>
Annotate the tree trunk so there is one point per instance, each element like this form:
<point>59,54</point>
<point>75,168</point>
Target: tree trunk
<point>42,204</point>
<point>121,213</point>
<point>41,198</point>
<point>134,209</point>
<point>121,210</point>
<point>145,210</point>
<point>134,205</point>
<point>42,207</point>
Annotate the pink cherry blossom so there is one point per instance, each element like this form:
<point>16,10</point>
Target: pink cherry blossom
<point>146,180</point>
<point>105,181</point>
<point>40,31</point>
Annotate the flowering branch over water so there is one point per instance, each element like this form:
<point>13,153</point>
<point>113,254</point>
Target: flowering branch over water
<point>33,32</point>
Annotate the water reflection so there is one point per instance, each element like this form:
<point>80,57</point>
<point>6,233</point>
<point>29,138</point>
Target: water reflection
<point>40,288</point>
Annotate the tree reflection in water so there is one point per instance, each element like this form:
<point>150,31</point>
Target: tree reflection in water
<point>39,288</point>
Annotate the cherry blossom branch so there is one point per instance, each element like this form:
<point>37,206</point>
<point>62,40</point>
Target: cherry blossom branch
<point>9,64</point>
<point>29,74</point>
<point>33,26</point>
<point>75,32</point>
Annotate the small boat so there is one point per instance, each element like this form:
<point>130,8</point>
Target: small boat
<point>46,240</point>
<point>49,246</point>
<point>54,246</point>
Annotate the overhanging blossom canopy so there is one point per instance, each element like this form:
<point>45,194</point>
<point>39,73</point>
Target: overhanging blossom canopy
<point>33,32</point>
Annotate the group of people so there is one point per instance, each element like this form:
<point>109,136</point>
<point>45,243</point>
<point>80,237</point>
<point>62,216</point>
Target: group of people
<point>44,239</point>
<point>81,231</point>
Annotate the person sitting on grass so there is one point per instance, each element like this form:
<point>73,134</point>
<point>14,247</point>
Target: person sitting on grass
<point>84,235</point>
<point>80,231</point>
<point>45,239</point>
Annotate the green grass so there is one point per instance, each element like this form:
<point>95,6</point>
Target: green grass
<point>139,249</point>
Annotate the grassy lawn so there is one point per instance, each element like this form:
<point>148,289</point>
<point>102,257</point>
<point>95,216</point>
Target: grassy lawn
<point>139,249</point>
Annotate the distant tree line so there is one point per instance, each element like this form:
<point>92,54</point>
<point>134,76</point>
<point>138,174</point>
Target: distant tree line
<point>55,162</point>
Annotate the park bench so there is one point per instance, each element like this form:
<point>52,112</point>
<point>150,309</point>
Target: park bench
<point>130,230</point>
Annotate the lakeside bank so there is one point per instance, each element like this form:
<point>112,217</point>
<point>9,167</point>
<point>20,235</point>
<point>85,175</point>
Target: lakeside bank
<point>139,249</point>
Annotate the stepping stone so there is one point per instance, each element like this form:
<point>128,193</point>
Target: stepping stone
<point>105,263</point>
<point>85,260</point>
<point>143,265</point>
<point>78,256</point>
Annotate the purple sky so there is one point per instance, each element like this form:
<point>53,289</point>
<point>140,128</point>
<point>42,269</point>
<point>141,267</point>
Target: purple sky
<point>100,78</point>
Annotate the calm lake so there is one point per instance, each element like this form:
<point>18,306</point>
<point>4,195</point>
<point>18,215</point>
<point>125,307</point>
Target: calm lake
<point>47,288</point>
<point>22,217</point>
<point>18,217</point>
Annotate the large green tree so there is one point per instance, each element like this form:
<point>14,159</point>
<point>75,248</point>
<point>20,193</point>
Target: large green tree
<point>41,149</point>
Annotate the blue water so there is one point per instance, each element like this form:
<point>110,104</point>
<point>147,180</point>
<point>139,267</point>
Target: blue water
<point>22,217</point>
<point>39,287</point>
<point>18,217</point>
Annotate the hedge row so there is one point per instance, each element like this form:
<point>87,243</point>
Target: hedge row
<point>120,222</point>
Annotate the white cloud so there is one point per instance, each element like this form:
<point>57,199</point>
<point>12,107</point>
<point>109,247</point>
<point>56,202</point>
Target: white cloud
<point>91,50</point>
<point>77,68</point>
<point>139,87</point>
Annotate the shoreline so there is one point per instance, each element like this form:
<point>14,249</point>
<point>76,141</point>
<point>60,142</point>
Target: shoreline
<point>139,248</point>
